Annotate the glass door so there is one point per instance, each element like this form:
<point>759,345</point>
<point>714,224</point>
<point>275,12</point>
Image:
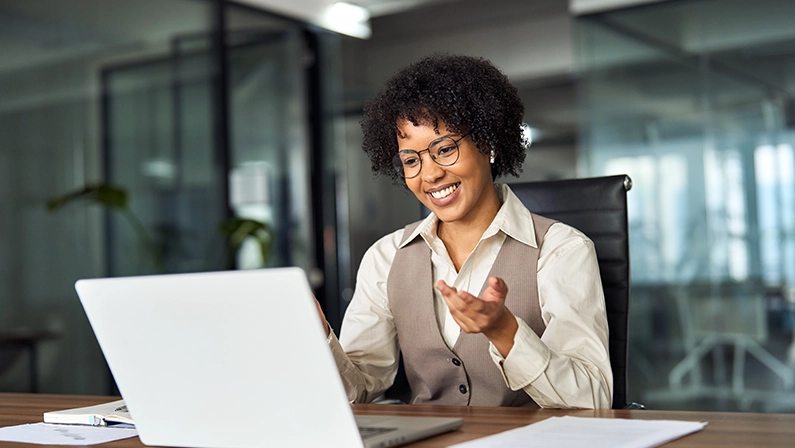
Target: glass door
<point>269,137</point>
<point>204,165</point>
<point>159,150</point>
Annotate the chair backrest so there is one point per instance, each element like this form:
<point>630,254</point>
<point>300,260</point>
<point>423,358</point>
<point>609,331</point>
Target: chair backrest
<point>598,208</point>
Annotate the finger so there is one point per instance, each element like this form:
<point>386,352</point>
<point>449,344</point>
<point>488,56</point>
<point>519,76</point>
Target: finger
<point>448,292</point>
<point>496,291</point>
<point>468,298</point>
<point>443,287</point>
<point>451,298</point>
<point>468,312</point>
<point>460,299</point>
<point>463,320</point>
<point>470,320</point>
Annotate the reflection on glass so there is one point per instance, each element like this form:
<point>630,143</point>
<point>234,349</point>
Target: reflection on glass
<point>55,133</point>
<point>697,108</point>
<point>99,92</point>
<point>269,133</point>
<point>158,120</point>
<point>775,190</point>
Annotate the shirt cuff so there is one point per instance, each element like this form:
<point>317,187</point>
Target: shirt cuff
<point>336,348</point>
<point>330,336</point>
<point>527,360</point>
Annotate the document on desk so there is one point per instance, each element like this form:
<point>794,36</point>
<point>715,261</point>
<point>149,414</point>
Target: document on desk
<point>75,435</point>
<point>572,432</point>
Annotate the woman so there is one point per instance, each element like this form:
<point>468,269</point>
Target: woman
<point>488,304</point>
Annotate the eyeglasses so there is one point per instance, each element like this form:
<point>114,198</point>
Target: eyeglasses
<point>443,151</point>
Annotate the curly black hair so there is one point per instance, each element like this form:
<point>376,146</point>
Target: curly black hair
<point>470,95</point>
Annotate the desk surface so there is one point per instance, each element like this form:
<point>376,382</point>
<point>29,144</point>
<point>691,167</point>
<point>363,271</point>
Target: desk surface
<point>724,429</point>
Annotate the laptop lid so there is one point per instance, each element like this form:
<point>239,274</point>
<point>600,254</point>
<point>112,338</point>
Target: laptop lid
<point>225,359</point>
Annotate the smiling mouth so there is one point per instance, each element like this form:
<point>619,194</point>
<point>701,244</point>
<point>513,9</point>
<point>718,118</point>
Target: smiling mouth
<point>441,194</point>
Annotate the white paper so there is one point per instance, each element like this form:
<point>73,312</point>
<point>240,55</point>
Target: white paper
<point>573,432</point>
<point>78,435</point>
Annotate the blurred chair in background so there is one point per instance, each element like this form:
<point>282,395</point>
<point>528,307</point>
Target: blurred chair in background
<point>14,343</point>
<point>711,322</point>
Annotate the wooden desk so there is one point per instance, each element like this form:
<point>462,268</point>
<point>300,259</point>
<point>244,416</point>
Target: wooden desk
<point>725,429</point>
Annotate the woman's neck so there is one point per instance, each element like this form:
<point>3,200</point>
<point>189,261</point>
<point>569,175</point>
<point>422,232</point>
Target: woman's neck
<point>462,236</point>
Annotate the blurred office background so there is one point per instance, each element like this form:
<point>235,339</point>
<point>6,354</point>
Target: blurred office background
<point>200,111</point>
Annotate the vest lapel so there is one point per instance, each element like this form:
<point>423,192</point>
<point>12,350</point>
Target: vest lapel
<point>414,261</point>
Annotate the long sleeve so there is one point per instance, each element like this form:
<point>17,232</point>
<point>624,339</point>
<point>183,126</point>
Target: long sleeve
<point>569,365</point>
<point>367,351</point>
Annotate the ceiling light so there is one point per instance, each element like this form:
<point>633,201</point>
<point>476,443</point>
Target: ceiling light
<point>348,18</point>
<point>348,13</point>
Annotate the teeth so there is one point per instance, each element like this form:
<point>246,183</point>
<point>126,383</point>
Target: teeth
<point>444,193</point>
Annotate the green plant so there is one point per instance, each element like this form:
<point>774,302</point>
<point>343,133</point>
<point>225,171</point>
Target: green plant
<point>237,230</point>
<point>117,199</point>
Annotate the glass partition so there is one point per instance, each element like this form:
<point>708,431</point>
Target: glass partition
<point>163,118</point>
<point>52,56</point>
<point>696,107</point>
<point>136,138</point>
<point>269,139</point>
<point>159,147</point>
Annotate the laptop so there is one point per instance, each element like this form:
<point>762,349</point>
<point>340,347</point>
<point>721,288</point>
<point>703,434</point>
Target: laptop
<point>231,359</point>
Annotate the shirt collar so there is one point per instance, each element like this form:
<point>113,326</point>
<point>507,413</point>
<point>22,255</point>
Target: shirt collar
<point>427,229</point>
<point>513,219</point>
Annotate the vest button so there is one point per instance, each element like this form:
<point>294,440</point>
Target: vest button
<point>462,389</point>
<point>456,362</point>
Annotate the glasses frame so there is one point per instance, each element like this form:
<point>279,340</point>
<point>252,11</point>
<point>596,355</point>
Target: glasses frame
<point>398,163</point>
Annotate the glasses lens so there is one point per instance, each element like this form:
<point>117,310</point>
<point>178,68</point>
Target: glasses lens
<point>407,163</point>
<point>445,151</point>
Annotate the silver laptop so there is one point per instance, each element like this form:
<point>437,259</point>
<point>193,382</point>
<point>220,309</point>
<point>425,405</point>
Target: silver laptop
<point>231,359</point>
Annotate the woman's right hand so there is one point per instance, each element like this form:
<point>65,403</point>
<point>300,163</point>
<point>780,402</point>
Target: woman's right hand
<point>323,320</point>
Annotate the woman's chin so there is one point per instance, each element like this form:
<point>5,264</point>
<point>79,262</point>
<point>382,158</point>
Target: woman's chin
<point>446,214</point>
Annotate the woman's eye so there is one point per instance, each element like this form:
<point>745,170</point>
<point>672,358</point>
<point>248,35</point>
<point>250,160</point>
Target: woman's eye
<point>411,161</point>
<point>446,151</point>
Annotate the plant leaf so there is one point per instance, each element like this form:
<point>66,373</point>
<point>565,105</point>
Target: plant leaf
<point>102,194</point>
<point>239,229</point>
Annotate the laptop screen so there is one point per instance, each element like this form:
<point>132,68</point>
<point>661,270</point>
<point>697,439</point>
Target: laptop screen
<point>233,359</point>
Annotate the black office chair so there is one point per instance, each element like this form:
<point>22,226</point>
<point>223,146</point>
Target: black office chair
<point>597,207</point>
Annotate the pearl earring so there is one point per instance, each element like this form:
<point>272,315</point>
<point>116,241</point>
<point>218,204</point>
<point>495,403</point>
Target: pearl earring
<point>491,157</point>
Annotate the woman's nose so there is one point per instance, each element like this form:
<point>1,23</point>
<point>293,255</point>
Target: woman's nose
<point>431,171</point>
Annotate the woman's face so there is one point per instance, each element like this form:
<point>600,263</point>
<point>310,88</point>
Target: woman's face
<point>462,192</point>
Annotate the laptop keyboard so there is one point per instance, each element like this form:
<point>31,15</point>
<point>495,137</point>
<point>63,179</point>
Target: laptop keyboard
<point>372,431</point>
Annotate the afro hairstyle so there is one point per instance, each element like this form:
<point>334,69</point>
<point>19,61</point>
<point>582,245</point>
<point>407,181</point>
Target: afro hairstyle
<point>469,94</point>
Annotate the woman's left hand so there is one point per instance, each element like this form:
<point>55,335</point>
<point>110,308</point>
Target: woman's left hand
<point>487,315</point>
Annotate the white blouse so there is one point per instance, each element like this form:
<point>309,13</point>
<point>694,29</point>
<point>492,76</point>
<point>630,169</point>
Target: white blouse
<point>567,367</point>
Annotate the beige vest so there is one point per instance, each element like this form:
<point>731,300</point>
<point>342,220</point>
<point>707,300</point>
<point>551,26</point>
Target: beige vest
<point>465,375</point>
